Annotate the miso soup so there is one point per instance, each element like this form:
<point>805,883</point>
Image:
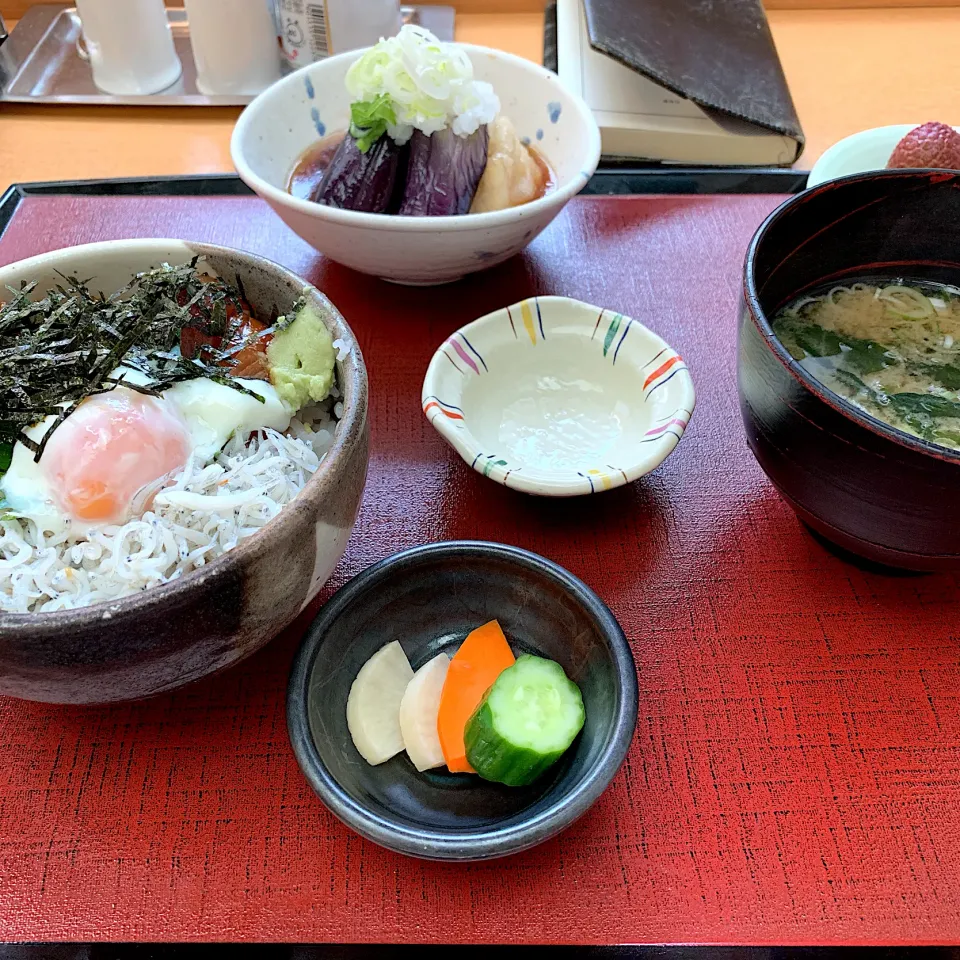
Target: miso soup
<point>891,348</point>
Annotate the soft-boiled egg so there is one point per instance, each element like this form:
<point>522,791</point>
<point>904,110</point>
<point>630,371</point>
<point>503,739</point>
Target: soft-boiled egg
<point>116,444</point>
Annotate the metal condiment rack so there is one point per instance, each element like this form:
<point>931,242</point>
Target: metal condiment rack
<point>39,62</point>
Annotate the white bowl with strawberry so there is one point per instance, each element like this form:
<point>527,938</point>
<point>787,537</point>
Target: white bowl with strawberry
<point>901,146</point>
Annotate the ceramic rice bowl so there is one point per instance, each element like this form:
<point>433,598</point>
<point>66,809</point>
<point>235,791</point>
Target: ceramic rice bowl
<point>218,614</point>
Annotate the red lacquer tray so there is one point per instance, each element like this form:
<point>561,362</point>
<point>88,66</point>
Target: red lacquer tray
<point>795,774</point>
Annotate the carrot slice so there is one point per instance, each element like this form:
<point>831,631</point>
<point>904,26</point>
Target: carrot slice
<point>483,656</point>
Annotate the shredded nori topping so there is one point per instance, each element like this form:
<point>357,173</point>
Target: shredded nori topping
<point>64,347</point>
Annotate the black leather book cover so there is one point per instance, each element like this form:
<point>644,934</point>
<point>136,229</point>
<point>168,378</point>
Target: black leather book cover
<point>718,53</point>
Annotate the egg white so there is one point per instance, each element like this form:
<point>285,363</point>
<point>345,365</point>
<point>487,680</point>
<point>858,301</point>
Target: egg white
<point>26,492</point>
<point>212,413</point>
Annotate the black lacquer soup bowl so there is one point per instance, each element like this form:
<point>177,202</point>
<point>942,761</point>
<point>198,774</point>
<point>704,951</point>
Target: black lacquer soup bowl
<point>873,490</point>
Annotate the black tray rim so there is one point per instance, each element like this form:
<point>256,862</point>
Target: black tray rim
<point>613,180</point>
<point>356,951</point>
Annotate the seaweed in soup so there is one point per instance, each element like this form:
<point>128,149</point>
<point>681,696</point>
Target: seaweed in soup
<point>890,347</point>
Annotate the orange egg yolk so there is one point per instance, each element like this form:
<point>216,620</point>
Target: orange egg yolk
<point>114,444</point>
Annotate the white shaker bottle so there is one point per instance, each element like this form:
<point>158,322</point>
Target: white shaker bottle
<point>313,29</point>
<point>234,45</point>
<point>129,45</point>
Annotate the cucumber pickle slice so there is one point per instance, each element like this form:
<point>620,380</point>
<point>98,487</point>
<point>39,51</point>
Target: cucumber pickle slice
<point>524,723</point>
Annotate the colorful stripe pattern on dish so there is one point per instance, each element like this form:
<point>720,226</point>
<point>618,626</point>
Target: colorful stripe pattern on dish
<point>435,407</point>
<point>601,480</point>
<point>530,319</point>
<point>674,424</point>
<point>462,354</point>
<point>487,463</point>
<point>660,370</point>
<point>615,332</point>
<point>596,479</point>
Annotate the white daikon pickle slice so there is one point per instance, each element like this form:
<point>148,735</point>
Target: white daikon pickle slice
<point>373,706</point>
<point>418,714</point>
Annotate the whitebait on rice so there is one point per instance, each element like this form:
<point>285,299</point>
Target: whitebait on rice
<point>186,426</point>
<point>187,527</point>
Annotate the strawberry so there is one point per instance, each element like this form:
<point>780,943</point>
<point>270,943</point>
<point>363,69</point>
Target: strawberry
<point>930,145</point>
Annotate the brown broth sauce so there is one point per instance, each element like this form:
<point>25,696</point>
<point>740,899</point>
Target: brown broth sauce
<point>546,172</point>
<point>304,180</point>
<point>306,176</point>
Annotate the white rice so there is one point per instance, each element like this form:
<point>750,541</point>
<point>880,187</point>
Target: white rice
<point>207,511</point>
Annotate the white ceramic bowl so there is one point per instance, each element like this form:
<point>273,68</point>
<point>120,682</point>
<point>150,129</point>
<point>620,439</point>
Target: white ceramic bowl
<point>559,398</point>
<point>859,153</point>
<point>287,118</point>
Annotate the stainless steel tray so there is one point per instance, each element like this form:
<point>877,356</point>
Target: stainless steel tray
<point>39,62</point>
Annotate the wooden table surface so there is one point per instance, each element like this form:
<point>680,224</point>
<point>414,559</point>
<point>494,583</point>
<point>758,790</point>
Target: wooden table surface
<point>848,69</point>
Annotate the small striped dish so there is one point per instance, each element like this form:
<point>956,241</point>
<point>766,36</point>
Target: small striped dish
<point>559,398</point>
